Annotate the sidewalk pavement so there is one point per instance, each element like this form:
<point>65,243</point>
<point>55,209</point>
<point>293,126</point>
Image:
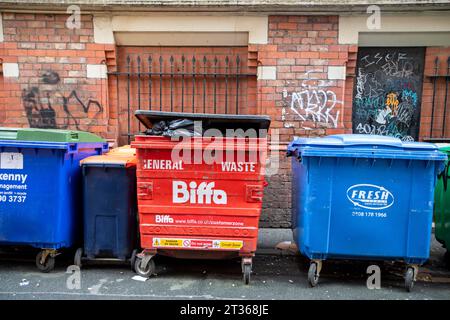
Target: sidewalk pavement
<point>277,275</point>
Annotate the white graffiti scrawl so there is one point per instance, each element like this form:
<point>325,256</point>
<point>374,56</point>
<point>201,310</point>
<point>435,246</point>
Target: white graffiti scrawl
<point>316,103</point>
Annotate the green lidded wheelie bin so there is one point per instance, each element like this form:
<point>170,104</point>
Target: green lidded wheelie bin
<point>40,188</point>
<point>442,206</point>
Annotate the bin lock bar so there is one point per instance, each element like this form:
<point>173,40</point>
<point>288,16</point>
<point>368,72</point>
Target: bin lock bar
<point>145,190</point>
<point>254,193</point>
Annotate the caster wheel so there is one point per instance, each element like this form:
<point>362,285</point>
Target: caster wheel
<point>77,258</point>
<point>247,273</point>
<point>313,277</point>
<point>144,272</point>
<point>447,259</point>
<point>133,260</point>
<point>409,279</point>
<point>46,266</point>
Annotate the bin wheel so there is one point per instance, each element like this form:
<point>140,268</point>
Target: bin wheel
<point>133,260</point>
<point>447,258</point>
<point>313,277</point>
<point>46,266</point>
<point>144,272</point>
<point>247,273</point>
<point>409,279</point>
<point>77,259</point>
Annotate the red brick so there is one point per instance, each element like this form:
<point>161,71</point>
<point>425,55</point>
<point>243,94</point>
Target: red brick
<point>25,16</point>
<point>309,55</point>
<point>329,55</point>
<point>287,25</point>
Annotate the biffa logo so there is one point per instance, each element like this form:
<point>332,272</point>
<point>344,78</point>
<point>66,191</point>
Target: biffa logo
<point>163,219</point>
<point>370,196</point>
<point>204,193</point>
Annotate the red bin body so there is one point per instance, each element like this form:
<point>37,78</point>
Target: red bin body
<point>193,206</point>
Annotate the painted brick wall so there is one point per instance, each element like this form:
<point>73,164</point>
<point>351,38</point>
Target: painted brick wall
<point>52,89</point>
<point>302,101</point>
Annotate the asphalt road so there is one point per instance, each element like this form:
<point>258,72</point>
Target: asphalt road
<point>276,276</point>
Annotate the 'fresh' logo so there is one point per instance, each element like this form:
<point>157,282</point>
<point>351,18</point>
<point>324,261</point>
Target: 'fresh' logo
<point>370,196</point>
<point>204,193</point>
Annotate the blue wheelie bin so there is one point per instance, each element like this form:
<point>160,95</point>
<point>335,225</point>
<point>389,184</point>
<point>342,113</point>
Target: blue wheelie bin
<point>109,208</point>
<point>363,197</point>
<point>40,188</point>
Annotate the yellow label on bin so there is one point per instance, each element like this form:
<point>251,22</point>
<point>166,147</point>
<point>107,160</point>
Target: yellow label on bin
<point>198,243</point>
<point>161,242</point>
<point>230,244</point>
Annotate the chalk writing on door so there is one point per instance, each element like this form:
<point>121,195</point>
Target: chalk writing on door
<point>387,92</point>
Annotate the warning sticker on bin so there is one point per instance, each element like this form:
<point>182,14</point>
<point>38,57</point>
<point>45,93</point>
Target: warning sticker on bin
<point>11,160</point>
<point>197,243</point>
<point>158,242</point>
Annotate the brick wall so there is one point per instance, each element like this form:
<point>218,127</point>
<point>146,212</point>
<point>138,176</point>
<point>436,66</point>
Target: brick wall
<point>302,48</point>
<point>213,94</point>
<point>431,53</point>
<point>52,89</point>
<point>276,211</point>
<point>10,102</point>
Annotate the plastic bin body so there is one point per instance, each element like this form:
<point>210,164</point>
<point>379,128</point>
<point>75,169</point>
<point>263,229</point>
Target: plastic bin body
<point>178,215</point>
<point>109,206</point>
<point>442,205</point>
<point>45,211</point>
<point>363,197</point>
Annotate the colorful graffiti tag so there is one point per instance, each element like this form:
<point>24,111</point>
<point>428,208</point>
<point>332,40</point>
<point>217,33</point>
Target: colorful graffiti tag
<point>387,92</point>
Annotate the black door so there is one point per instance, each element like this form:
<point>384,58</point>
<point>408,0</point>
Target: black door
<point>387,92</point>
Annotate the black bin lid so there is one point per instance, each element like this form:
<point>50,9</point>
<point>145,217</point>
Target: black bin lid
<point>216,121</point>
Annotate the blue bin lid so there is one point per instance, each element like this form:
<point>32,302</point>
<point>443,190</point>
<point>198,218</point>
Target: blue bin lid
<point>364,146</point>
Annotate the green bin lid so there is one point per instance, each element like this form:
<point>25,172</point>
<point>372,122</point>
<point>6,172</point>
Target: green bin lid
<point>51,135</point>
<point>445,149</point>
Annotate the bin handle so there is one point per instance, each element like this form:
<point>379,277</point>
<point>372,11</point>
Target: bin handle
<point>290,153</point>
<point>254,193</point>
<point>445,176</point>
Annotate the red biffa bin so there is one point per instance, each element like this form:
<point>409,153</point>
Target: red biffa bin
<point>200,197</point>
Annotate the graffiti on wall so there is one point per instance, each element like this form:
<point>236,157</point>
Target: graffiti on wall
<point>48,105</point>
<point>387,92</point>
<point>315,102</point>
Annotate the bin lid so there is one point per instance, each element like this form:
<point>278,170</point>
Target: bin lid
<point>362,145</point>
<point>126,150</point>
<point>209,120</point>
<point>110,160</point>
<point>49,135</point>
<point>445,149</point>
